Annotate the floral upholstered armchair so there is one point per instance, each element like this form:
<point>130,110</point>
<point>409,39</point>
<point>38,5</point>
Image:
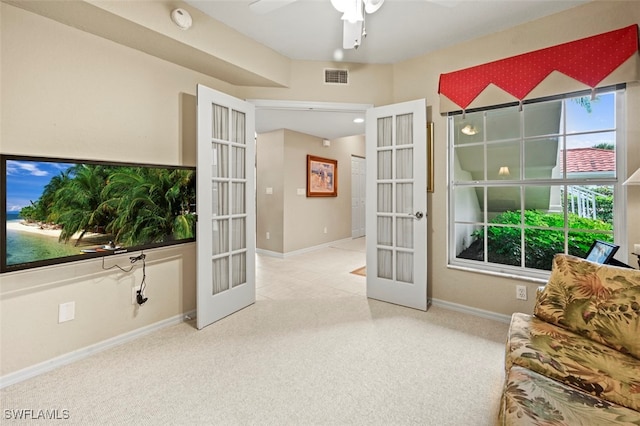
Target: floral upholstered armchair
<point>577,359</point>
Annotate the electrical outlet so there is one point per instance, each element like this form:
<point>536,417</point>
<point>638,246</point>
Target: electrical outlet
<point>66,311</point>
<point>268,236</point>
<point>325,229</point>
<point>521,292</point>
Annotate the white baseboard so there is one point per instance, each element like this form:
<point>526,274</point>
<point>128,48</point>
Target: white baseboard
<point>301,251</point>
<point>52,364</point>
<point>270,253</point>
<point>470,310</point>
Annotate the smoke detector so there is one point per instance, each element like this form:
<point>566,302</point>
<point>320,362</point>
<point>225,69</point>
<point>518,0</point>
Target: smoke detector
<point>181,18</point>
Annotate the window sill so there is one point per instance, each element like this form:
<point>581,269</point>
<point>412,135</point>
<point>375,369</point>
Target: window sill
<point>509,275</point>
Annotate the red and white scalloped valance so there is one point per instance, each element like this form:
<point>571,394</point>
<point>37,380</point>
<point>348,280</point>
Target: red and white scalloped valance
<point>591,62</point>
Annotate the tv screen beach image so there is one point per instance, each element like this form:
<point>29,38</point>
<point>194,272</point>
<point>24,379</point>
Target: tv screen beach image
<point>59,209</point>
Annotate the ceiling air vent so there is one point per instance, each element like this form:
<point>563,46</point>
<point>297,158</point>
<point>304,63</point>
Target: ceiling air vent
<point>332,76</point>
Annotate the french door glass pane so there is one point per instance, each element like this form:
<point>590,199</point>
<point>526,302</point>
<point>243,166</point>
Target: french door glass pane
<point>238,236</point>
<point>384,164</point>
<point>404,198</point>
<point>238,134</point>
<point>219,197</point>
<point>385,200</point>
<point>238,198</point>
<point>238,157</point>
<point>385,231</point>
<point>220,125</point>
<point>219,160</point>
<point>404,163</point>
<point>404,234</point>
<point>404,266</point>
<point>239,269</point>
<point>404,129</point>
<point>385,131</point>
<point>220,275</point>
<point>385,266</point>
<point>220,236</point>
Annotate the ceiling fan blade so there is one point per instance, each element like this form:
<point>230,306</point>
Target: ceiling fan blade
<point>262,7</point>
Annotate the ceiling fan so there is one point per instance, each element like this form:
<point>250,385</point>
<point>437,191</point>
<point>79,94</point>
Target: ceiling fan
<point>353,16</point>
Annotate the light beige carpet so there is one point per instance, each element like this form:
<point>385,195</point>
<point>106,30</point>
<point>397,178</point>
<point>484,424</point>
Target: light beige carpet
<point>333,361</point>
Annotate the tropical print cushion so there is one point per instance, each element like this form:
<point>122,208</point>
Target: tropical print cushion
<point>601,302</point>
<point>574,360</point>
<point>533,399</point>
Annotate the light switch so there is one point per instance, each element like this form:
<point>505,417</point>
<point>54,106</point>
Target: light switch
<point>269,191</point>
<point>301,191</point>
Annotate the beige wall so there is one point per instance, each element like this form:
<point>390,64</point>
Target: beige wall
<point>270,207</point>
<point>419,78</point>
<point>296,222</point>
<point>306,218</point>
<point>66,93</point>
<point>368,84</point>
<point>71,94</point>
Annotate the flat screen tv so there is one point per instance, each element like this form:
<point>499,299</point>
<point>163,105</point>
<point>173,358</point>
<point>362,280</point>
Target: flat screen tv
<point>61,210</point>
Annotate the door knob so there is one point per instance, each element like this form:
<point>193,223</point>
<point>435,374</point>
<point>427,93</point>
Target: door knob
<point>417,215</point>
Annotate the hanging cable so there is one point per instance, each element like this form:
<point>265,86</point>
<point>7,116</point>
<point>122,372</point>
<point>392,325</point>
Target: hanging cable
<point>143,284</point>
<point>140,299</point>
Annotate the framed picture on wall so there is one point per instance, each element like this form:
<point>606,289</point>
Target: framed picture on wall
<point>322,177</point>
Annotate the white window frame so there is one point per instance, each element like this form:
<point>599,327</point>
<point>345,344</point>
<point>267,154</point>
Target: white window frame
<point>620,195</point>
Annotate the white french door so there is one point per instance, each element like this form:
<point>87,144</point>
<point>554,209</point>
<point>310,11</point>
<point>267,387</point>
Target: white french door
<point>396,202</point>
<point>226,205</point>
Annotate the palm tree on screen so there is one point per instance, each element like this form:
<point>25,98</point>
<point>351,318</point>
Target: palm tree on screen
<point>148,204</point>
<point>77,206</point>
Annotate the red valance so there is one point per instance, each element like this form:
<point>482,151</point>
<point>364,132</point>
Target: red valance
<point>588,60</point>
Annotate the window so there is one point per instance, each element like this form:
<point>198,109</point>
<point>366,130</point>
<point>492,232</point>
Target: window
<point>532,181</point>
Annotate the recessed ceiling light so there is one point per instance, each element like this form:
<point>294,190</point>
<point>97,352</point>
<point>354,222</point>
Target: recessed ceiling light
<point>358,120</point>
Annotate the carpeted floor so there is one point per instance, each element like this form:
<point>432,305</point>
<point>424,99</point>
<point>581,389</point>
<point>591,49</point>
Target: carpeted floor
<point>331,358</point>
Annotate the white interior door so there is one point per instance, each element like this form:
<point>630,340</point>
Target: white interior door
<point>226,205</point>
<point>358,196</point>
<point>397,203</point>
